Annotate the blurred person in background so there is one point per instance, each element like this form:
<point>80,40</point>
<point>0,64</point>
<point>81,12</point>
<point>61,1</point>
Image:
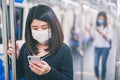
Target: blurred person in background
<point>102,35</point>
<point>74,41</point>
<point>43,38</point>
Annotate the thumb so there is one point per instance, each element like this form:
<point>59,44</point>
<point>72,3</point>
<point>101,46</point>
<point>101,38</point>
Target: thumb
<point>17,50</point>
<point>43,62</point>
<point>17,46</point>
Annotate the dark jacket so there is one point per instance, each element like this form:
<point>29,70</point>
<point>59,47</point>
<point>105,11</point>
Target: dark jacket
<point>61,65</point>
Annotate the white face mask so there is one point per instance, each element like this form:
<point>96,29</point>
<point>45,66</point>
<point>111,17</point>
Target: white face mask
<point>41,36</point>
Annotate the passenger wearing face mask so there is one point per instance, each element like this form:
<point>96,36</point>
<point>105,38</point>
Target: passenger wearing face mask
<point>43,38</point>
<point>102,35</point>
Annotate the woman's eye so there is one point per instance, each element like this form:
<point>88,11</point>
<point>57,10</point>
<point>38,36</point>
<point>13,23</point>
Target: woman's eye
<point>44,28</point>
<point>34,28</point>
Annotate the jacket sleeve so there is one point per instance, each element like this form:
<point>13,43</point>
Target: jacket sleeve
<point>19,64</point>
<point>66,68</point>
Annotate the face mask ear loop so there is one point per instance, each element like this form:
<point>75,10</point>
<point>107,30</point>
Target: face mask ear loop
<point>49,32</point>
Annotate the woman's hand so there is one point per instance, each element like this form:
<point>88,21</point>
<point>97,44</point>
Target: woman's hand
<point>11,49</point>
<point>39,68</point>
<point>101,32</point>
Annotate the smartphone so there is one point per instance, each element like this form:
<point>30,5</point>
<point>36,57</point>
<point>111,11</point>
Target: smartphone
<point>34,58</point>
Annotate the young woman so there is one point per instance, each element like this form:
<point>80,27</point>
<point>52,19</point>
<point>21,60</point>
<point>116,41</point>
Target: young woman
<point>43,38</point>
<point>102,35</point>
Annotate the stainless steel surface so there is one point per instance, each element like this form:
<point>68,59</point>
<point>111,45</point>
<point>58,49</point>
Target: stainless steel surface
<point>4,21</point>
<point>12,27</point>
<point>117,55</point>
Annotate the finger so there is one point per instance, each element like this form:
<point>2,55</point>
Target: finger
<point>33,69</point>
<point>34,65</point>
<point>37,64</point>
<point>10,45</point>
<point>45,65</point>
<point>17,49</point>
<point>17,46</point>
<point>10,40</point>
<point>36,71</point>
<point>43,62</point>
<point>9,51</point>
<point>36,68</point>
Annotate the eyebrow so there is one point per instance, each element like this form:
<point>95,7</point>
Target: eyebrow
<point>33,26</point>
<point>41,25</point>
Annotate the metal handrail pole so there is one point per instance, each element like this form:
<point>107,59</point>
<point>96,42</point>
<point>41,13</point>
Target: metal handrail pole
<point>117,55</point>
<point>4,34</point>
<point>12,28</point>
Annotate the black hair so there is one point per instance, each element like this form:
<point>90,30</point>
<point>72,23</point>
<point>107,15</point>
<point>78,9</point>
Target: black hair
<point>46,14</point>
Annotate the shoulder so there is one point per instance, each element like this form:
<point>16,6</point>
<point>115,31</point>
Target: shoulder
<point>23,46</point>
<point>109,27</point>
<point>64,50</point>
<point>64,46</point>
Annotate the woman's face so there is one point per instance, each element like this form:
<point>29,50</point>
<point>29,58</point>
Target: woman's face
<point>100,20</point>
<point>39,25</point>
<point>40,31</point>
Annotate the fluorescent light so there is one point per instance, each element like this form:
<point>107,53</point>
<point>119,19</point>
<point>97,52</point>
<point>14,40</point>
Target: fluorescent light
<point>71,2</point>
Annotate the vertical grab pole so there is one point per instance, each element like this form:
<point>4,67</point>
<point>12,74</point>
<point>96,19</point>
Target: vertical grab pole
<point>12,27</point>
<point>4,34</point>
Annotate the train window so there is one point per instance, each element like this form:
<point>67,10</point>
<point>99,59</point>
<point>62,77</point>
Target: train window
<point>18,22</point>
<point>0,27</point>
<point>0,34</point>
